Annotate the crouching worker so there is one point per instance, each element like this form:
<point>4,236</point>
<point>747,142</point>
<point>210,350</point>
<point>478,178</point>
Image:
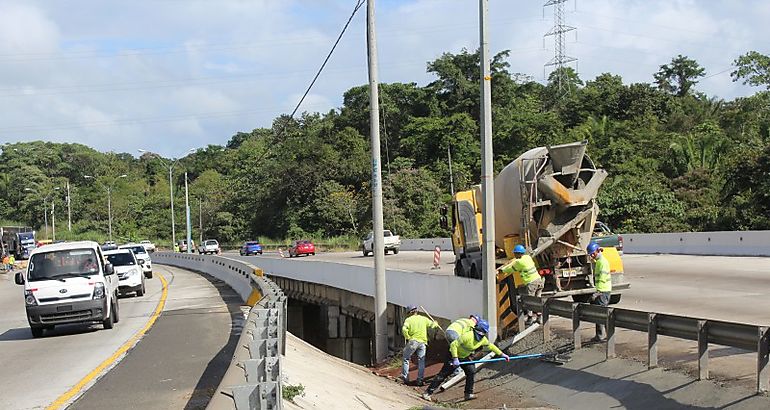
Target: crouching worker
<point>415,331</point>
<point>471,340</point>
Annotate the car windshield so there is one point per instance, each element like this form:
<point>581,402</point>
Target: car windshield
<point>136,249</point>
<point>252,243</point>
<point>121,259</point>
<point>62,264</point>
<point>211,243</point>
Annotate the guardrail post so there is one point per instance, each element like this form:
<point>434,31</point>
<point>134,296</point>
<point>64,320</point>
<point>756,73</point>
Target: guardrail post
<point>576,325</point>
<point>610,333</point>
<point>763,352</point>
<point>652,340</point>
<point>546,320</point>
<point>703,350</point>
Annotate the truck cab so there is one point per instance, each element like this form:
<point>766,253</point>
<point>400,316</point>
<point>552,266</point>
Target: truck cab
<point>67,283</point>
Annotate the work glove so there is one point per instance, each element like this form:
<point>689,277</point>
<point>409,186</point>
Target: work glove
<point>506,357</point>
<point>455,361</point>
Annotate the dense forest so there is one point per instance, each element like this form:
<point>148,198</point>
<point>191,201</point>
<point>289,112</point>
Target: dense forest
<point>678,160</point>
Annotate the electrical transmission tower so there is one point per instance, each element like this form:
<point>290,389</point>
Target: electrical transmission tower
<point>560,58</point>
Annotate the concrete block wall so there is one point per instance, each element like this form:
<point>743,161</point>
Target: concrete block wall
<point>425,244</point>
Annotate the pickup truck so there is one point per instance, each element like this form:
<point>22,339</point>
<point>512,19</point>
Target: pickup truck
<point>148,246</point>
<point>392,243</point>
<point>604,236</point>
<point>209,246</point>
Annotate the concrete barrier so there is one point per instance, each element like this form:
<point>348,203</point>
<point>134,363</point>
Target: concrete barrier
<point>425,244</point>
<point>721,243</point>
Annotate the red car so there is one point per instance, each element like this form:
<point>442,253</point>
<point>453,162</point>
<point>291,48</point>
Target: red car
<point>301,248</point>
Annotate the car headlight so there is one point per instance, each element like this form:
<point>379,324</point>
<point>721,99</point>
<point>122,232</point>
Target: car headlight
<point>99,290</point>
<point>29,299</point>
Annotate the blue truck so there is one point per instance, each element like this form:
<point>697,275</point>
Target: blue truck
<point>18,241</point>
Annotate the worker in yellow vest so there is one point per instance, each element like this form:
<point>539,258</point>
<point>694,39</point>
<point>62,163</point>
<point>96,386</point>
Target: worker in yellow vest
<point>461,350</point>
<point>415,331</point>
<point>603,284</point>
<point>532,282</point>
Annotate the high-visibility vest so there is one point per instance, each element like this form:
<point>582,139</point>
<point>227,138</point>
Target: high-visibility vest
<point>602,278</point>
<point>527,269</point>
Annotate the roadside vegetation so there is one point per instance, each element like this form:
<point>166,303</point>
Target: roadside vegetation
<point>678,160</point>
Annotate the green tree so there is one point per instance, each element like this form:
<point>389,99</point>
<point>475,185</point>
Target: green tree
<point>679,76</point>
<point>753,68</point>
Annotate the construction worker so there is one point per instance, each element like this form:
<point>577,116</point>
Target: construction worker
<point>415,331</point>
<point>11,262</point>
<point>6,262</point>
<point>460,350</point>
<point>603,284</point>
<point>454,330</point>
<point>532,282</point>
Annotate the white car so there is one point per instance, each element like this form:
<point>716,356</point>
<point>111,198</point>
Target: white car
<point>148,246</point>
<point>392,243</point>
<point>69,282</point>
<point>128,269</point>
<point>209,246</point>
<point>142,254</point>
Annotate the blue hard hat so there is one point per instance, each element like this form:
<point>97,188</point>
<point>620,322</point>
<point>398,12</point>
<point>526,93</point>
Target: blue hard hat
<point>411,308</point>
<point>519,249</point>
<point>482,328</point>
<point>592,247</point>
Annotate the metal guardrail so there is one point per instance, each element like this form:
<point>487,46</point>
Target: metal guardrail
<point>704,331</point>
<point>254,378</point>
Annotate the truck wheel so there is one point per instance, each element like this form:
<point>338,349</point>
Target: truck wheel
<point>148,275</point>
<point>116,319</point>
<point>386,251</point>
<point>395,251</point>
<point>36,331</point>
<point>140,291</point>
<point>615,299</point>
<point>365,252</point>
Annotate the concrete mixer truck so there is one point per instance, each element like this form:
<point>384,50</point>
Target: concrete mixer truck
<point>545,200</point>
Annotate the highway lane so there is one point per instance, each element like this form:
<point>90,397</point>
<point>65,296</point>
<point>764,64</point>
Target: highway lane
<point>178,363</point>
<point>725,288</point>
<point>35,372</point>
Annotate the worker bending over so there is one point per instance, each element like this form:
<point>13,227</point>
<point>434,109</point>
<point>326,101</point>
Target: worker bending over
<point>415,331</point>
<point>603,284</point>
<point>454,330</point>
<point>532,282</point>
<point>460,350</point>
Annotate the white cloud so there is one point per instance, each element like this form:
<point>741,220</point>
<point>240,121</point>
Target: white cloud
<point>131,74</point>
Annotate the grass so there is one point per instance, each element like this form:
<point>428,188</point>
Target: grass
<point>290,391</point>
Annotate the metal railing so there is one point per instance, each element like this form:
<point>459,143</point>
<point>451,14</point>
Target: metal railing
<point>704,331</point>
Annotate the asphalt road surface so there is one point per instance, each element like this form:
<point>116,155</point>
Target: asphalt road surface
<point>175,365</point>
<point>725,288</point>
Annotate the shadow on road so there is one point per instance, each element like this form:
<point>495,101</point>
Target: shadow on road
<point>217,366</point>
<point>23,333</point>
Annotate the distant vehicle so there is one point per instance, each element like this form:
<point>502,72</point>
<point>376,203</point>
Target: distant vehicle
<point>302,247</point>
<point>69,283</point>
<point>109,246</point>
<point>183,245</point>
<point>392,243</point>
<point>18,241</point>
<point>129,271</point>
<point>149,246</point>
<point>251,248</point>
<point>142,254</point>
<point>209,246</point>
<point>604,236</point>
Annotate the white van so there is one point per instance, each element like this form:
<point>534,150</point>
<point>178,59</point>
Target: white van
<point>129,271</point>
<point>142,256</point>
<point>69,282</point>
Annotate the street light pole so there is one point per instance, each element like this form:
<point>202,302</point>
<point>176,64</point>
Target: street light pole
<point>200,218</point>
<point>187,213</point>
<point>53,218</point>
<point>170,166</point>
<point>69,209</point>
<point>109,189</point>
<point>45,215</point>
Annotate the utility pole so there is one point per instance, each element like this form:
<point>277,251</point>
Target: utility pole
<point>380,292</point>
<point>53,219</point>
<point>171,190</point>
<point>187,206</point>
<point>109,210</point>
<point>200,218</point>
<point>487,178</point>
<point>69,209</point>
<point>451,179</point>
<point>45,215</point>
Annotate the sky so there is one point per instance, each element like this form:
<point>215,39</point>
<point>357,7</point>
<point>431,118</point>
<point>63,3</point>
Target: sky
<point>170,75</point>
